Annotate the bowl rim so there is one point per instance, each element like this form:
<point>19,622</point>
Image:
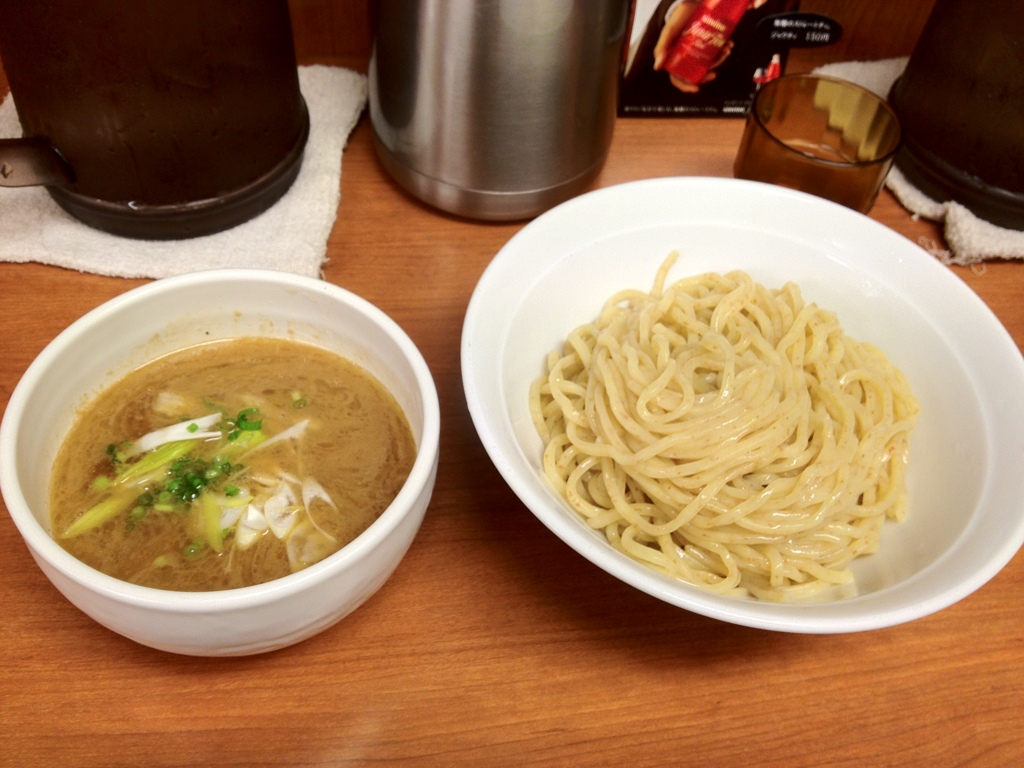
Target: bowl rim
<point>42,545</point>
<point>585,221</point>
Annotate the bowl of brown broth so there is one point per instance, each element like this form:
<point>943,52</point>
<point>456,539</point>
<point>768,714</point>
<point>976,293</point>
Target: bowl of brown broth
<point>222,463</point>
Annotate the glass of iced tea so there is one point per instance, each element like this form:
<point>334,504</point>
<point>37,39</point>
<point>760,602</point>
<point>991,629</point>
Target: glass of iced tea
<point>821,135</point>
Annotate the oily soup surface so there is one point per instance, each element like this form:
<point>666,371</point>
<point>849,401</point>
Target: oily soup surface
<point>278,507</point>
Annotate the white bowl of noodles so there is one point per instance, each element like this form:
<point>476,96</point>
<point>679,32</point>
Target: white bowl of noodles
<point>168,315</point>
<point>964,494</point>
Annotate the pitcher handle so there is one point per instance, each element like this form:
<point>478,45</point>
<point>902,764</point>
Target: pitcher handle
<point>32,161</point>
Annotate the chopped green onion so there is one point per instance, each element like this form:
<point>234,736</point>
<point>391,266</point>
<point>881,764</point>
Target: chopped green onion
<point>194,549</point>
<point>193,427</point>
<point>231,490</point>
<point>136,516</point>
<point>247,419</point>
<point>117,456</point>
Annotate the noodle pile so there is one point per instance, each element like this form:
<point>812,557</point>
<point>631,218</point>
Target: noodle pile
<point>729,435</point>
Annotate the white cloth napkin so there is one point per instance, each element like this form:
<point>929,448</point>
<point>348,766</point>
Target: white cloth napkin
<point>971,239</point>
<point>290,236</point>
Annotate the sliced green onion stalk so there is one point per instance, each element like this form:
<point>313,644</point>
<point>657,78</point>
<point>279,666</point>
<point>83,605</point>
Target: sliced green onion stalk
<point>294,432</point>
<point>210,511</point>
<point>108,509</point>
<point>197,467</point>
<point>201,428</point>
<point>154,461</point>
<point>241,443</point>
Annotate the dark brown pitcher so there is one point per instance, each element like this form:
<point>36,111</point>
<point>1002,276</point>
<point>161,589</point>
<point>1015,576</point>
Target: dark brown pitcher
<point>961,104</point>
<point>156,119</point>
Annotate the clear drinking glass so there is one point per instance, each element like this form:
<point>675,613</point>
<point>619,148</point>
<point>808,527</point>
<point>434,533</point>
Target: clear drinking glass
<point>820,135</point>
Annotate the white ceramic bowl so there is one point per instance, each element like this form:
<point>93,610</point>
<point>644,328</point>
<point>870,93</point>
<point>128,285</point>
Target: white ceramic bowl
<point>164,316</point>
<point>965,485</point>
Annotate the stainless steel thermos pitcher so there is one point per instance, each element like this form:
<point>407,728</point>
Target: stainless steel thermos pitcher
<point>495,109</point>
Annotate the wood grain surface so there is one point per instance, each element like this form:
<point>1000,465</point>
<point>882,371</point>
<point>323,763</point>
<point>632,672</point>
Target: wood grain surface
<point>493,643</point>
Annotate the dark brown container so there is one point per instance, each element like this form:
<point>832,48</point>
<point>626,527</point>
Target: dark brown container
<point>175,118</point>
<point>961,104</point>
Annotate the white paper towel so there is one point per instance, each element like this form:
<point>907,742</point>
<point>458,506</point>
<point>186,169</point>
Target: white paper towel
<point>290,236</point>
<point>970,239</point>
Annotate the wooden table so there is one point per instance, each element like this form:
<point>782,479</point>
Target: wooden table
<point>494,643</point>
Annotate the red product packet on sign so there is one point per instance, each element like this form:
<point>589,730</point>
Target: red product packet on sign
<point>704,38</point>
